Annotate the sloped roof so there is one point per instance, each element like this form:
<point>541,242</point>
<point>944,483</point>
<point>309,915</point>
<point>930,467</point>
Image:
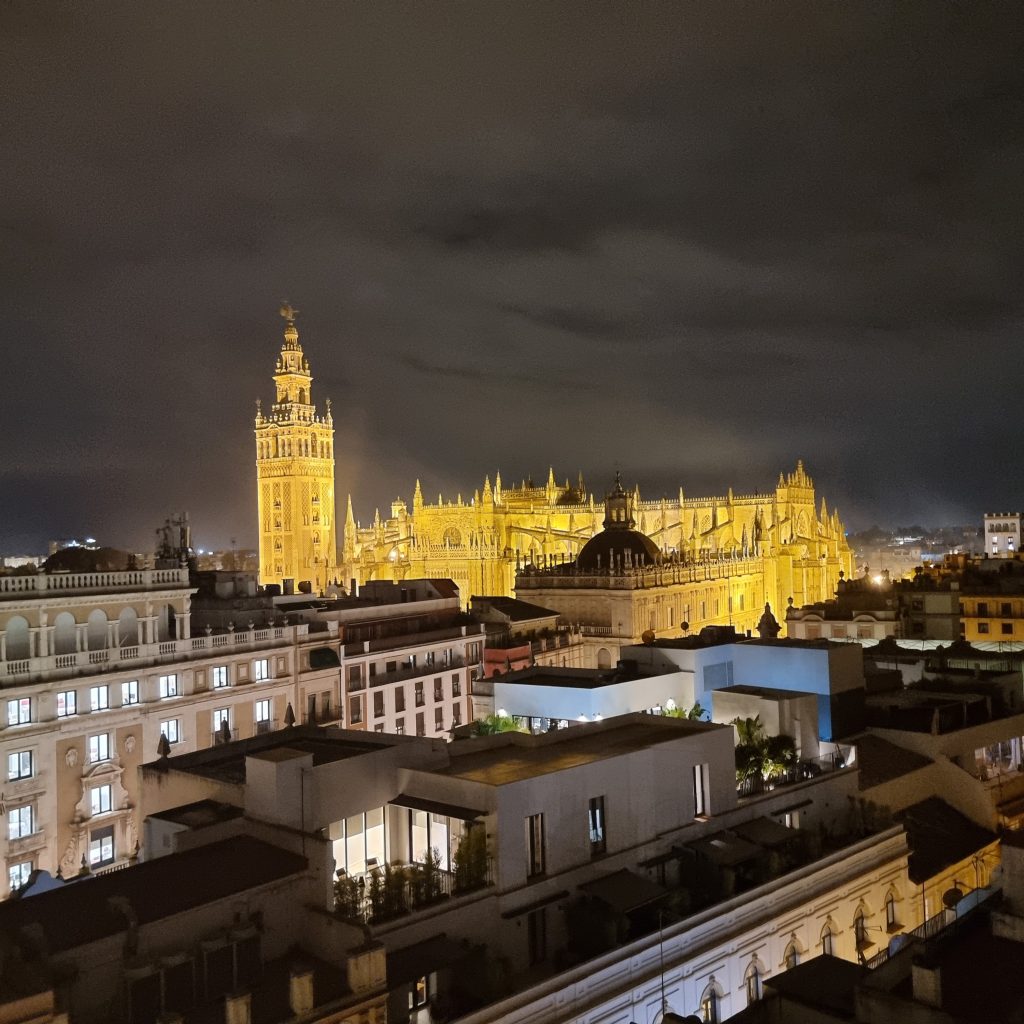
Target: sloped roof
<point>939,837</point>
<point>881,761</point>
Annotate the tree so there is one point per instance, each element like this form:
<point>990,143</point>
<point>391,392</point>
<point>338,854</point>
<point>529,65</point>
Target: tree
<point>695,714</point>
<point>493,724</point>
<point>759,755</point>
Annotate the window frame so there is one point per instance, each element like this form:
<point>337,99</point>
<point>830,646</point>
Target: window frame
<point>261,670</point>
<point>536,860</point>
<point>596,826</point>
<point>22,711</point>
<point>17,818</point>
<point>16,757</point>
<point>168,686</point>
<point>129,692</point>
<point>97,801</point>
<point>99,751</point>
<point>176,723</point>
<point>219,678</point>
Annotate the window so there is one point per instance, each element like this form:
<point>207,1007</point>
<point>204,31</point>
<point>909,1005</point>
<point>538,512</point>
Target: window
<point>456,715</point>
<point>419,695</point>
<point>67,703</point>
<point>1006,628</point>
<point>261,670</point>
<point>99,698</point>
<point>400,726</point>
<point>101,846</point>
<point>982,627</point>
<point>709,1005</point>
<point>792,956</point>
<point>534,845</point>
<point>19,821</point>
<point>456,686</point>
<point>438,689</point>
<point>826,940</point>
<point>99,747</point>
<point>220,676</point>
<point>421,727</point>
<point>860,929</point>
<point>355,677</point>
<point>130,692</point>
<point>263,710</point>
<point>399,699</point>
<point>378,704</point>
<point>701,779</point>
<point>19,765</point>
<point>355,710</point>
<point>596,819</point>
<point>983,607</point>
<point>438,719</point>
<point>379,727</point>
<point>537,936</point>
<point>221,717</point>
<point>172,730</point>
<point>752,981</point>
<point>168,686</point>
<point>18,874</point>
<point>99,799</point>
<point>1005,608</point>
<point>890,913</point>
<point>19,711</point>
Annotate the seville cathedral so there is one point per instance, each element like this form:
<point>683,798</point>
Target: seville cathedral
<point>766,546</point>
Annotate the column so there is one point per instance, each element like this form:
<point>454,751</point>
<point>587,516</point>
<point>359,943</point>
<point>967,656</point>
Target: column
<point>33,642</point>
<point>81,640</point>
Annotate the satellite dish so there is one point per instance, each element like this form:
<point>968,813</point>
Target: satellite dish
<point>647,636</point>
<point>951,897</point>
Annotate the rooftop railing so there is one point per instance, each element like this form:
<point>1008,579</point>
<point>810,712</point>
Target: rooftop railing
<point>93,582</point>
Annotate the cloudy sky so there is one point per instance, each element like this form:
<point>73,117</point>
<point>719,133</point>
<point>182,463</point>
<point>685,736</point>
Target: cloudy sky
<point>694,240</point>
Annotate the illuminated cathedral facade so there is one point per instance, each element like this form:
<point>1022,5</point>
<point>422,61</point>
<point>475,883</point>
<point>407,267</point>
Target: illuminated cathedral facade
<point>787,544</point>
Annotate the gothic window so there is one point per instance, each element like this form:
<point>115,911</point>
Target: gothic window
<point>792,956</point>
<point>826,940</point>
<point>752,981</point>
<point>452,537</point>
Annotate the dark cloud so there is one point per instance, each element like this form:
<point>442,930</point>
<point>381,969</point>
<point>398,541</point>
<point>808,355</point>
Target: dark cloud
<point>699,240</point>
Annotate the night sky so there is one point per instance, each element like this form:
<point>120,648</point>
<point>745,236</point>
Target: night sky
<point>696,241</point>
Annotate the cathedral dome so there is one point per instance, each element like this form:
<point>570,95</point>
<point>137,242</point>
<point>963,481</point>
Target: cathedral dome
<point>619,541</point>
<point>610,546</point>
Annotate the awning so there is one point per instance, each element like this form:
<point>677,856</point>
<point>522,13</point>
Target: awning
<point>529,908</point>
<point>324,657</point>
<point>418,803</point>
<point>408,965</point>
<point>765,832</point>
<point>624,891</point>
<point>726,849</point>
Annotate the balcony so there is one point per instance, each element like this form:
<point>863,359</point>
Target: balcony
<point>92,582</point>
<point>396,890</point>
<point>415,672</point>
<point>322,717</point>
<point>56,666</point>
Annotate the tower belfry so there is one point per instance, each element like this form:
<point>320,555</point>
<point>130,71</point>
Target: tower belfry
<point>295,474</point>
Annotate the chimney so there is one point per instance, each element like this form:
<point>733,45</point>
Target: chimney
<point>300,990</point>
<point>927,981</point>
<point>238,1009</point>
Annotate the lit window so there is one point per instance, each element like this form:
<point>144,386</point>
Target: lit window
<point>99,747</point>
<point>261,670</point>
<point>596,821</point>
<point>400,726</point>
<point>221,717</point>
<point>99,799</point>
<point>171,729</point>
<point>263,710</point>
<point>18,874</point>
<point>456,687</point>
<point>19,711</point>
<point>67,704</point>
<point>99,698</point>
<point>890,912</point>
<point>168,686</point>
<point>130,692</point>
<point>220,676</point>
<point>826,940</point>
<point>792,957</point>
<point>101,846</point>
<point>19,821</point>
<point>19,765</point>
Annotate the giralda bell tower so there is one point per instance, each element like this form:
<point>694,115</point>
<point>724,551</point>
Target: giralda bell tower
<point>295,474</point>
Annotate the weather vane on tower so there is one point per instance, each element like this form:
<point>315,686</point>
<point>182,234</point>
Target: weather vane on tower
<point>288,312</point>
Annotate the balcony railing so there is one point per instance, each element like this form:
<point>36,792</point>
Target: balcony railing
<point>415,672</point>
<point>322,716</point>
<point>133,655</point>
<point>96,582</point>
<point>810,768</point>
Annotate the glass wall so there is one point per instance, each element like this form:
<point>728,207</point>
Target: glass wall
<point>362,844</point>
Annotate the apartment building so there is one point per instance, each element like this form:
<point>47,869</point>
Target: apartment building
<point>507,875</point>
<point>99,670</point>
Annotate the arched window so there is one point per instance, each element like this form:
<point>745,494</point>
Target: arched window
<point>860,928</point>
<point>791,957</point>
<point>710,1002</point>
<point>826,940</point>
<point>890,911</point>
<point>752,981</point>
